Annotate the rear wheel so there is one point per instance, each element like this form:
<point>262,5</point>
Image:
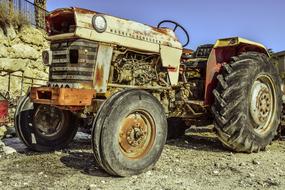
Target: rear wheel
<point>42,127</point>
<point>248,103</point>
<point>129,133</point>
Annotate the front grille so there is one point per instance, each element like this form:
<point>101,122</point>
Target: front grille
<point>73,61</point>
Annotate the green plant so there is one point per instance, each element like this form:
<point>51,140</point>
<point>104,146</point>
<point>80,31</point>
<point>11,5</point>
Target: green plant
<point>4,14</point>
<point>11,17</point>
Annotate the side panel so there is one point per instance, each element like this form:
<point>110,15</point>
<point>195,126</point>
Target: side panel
<point>213,69</point>
<point>171,60</point>
<point>102,68</point>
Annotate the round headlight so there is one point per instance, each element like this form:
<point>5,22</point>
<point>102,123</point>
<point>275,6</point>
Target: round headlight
<point>99,23</point>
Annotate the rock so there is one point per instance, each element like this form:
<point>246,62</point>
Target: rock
<point>8,150</point>
<point>255,162</point>
<point>41,173</point>
<point>148,173</point>
<point>33,36</point>
<point>16,144</point>
<point>1,145</point>
<point>11,132</point>
<point>216,172</point>
<point>80,136</point>
<point>58,153</point>
<point>3,132</point>
<point>22,51</point>
<point>251,175</point>
<point>271,182</point>
<point>3,51</point>
<point>134,177</point>
<point>92,186</point>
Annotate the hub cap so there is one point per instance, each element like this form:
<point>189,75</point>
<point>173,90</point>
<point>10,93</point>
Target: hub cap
<point>262,103</point>
<point>48,120</point>
<point>137,134</point>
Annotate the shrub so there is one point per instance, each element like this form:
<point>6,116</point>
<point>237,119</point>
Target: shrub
<point>11,17</point>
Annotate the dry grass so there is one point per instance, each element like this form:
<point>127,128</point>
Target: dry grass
<point>14,18</point>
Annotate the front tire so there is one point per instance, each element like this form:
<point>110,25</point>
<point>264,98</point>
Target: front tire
<point>247,105</point>
<point>129,133</point>
<point>44,128</point>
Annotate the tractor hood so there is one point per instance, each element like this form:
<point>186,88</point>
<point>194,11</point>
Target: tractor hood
<point>82,23</point>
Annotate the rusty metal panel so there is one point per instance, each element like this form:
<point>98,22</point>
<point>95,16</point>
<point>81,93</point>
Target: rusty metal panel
<point>119,31</point>
<point>213,68</point>
<point>124,32</point>
<point>102,68</point>
<point>62,96</point>
<point>171,59</point>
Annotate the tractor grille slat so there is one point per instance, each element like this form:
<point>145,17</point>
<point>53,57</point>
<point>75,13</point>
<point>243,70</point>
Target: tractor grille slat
<point>73,61</point>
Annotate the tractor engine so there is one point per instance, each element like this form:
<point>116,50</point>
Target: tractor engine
<point>135,68</point>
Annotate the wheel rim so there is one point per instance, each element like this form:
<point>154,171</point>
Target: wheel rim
<point>48,121</point>
<point>136,134</point>
<point>262,104</point>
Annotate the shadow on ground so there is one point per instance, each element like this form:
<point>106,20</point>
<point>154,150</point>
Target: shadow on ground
<point>199,141</point>
<point>84,162</point>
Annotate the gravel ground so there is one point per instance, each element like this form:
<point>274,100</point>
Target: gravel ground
<point>196,161</point>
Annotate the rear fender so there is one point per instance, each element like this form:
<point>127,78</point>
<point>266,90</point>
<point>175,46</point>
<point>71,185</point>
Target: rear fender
<point>222,53</point>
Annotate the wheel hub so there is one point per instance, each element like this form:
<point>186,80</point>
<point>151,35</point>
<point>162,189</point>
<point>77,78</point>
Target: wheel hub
<point>262,103</point>
<point>136,134</point>
<point>48,120</point>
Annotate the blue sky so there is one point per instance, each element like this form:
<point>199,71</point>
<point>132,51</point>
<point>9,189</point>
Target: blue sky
<point>206,20</point>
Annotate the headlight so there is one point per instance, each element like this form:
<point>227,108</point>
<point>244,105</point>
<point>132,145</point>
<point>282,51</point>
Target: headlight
<point>99,23</point>
<point>47,57</point>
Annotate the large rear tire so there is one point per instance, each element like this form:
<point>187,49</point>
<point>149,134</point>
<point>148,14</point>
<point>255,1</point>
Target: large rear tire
<point>129,133</point>
<point>44,128</point>
<point>247,105</point>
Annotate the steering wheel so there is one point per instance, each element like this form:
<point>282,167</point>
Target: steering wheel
<point>177,25</point>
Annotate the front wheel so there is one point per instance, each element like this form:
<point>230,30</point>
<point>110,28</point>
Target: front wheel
<point>248,103</point>
<point>42,127</point>
<point>129,133</point>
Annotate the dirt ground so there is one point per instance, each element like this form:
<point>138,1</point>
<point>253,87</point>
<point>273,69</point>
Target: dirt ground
<point>196,161</point>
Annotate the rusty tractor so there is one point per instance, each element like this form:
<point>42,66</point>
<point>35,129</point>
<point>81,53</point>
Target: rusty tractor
<point>133,85</point>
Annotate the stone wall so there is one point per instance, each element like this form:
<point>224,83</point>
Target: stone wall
<point>20,50</point>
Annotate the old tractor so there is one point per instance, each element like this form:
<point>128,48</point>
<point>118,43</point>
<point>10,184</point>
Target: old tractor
<point>128,82</point>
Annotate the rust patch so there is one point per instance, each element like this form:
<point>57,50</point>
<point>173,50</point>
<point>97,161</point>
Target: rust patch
<point>160,30</point>
<point>187,51</point>
<point>99,76</point>
<point>62,96</point>
<point>83,11</point>
<point>59,11</point>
